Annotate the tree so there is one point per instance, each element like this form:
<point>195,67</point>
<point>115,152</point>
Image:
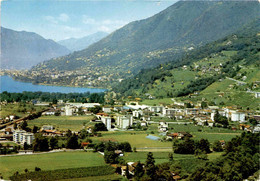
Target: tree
<point>53,142</point>
<point>25,146</point>
<point>125,147</point>
<point>37,169</point>
<point>35,129</point>
<point>72,142</point>
<point>150,166</point>
<point>217,146</point>
<point>24,125</point>
<point>204,105</point>
<point>15,125</point>
<point>99,127</point>
<point>203,145</point>
<point>170,156</point>
<point>110,157</point>
<point>201,154</point>
<point>40,143</point>
<point>139,171</point>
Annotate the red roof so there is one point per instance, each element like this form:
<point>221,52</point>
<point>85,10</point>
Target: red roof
<point>84,143</point>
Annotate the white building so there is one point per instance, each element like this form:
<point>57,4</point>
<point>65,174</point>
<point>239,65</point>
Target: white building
<point>106,109</point>
<point>107,122</point>
<point>124,121</point>
<point>21,136</point>
<point>137,113</point>
<point>68,110</point>
<point>156,109</point>
<point>237,116</point>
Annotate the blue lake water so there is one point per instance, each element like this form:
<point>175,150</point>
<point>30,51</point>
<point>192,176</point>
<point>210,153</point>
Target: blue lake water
<point>10,85</point>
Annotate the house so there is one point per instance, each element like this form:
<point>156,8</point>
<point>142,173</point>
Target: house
<point>257,94</point>
<point>163,126</point>
<point>156,109</point>
<point>85,144</point>
<point>137,113</point>
<point>49,112</point>
<point>47,127</point>
<point>178,135</point>
<point>119,152</point>
<point>106,109</point>
<point>244,127</point>
<point>51,133</point>
<point>143,123</point>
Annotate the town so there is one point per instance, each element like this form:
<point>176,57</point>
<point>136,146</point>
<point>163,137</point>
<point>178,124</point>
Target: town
<point>65,126</point>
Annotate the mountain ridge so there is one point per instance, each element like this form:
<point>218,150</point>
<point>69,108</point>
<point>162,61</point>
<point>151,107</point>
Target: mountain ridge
<point>22,49</point>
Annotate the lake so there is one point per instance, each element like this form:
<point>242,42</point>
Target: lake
<point>10,85</point>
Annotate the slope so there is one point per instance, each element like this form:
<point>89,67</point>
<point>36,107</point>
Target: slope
<point>158,39</point>
<point>222,72</point>
<point>22,50</point>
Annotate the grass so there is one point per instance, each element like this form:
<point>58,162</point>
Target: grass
<point>212,134</point>
<point>97,178</point>
<point>17,109</point>
<point>74,123</point>
<point>49,161</point>
<point>188,162</point>
<point>157,101</point>
<point>136,139</point>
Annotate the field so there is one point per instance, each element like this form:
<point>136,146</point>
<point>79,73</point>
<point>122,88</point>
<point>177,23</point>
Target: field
<point>188,162</point>
<point>49,161</point>
<point>212,134</point>
<point>136,139</point>
<point>20,110</point>
<point>97,178</point>
<point>62,123</point>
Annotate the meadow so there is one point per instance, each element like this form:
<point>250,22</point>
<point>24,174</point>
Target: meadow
<point>19,109</point>
<point>49,161</point>
<point>62,123</point>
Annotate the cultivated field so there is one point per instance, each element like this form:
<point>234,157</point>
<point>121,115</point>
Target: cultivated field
<point>63,123</point>
<point>49,161</point>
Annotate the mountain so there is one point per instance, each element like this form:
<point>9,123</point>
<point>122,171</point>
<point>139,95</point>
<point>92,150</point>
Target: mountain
<point>223,72</point>
<point>76,44</point>
<point>163,37</point>
<point>22,50</point>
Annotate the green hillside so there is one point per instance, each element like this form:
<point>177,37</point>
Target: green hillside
<point>158,39</point>
<point>207,72</point>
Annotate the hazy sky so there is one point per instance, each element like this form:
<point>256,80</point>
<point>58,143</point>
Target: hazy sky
<point>59,20</point>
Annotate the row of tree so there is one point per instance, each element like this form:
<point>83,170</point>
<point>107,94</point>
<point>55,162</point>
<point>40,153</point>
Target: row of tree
<point>52,97</point>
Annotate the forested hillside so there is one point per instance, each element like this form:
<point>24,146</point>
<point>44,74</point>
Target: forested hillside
<point>235,56</point>
<point>158,39</point>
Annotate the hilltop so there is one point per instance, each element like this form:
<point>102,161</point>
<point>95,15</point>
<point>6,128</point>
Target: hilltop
<point>22,50</point>
<point>147,43</point>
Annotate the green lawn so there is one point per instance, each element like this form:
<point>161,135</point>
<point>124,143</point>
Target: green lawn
<point>98,178</point>
<point>49,161</point>
<point>74,123</point>
<point>136,139</point>
<point>212,134</point>
<point>20,110</point>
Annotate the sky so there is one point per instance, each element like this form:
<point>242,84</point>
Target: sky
<point>58,20</point>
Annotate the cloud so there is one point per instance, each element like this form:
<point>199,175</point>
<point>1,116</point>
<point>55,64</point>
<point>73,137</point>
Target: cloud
<point>106,25</point>
<point>88,20</point>
<point>63,17</point>
<point>51,19</point>
<point>55,20</point>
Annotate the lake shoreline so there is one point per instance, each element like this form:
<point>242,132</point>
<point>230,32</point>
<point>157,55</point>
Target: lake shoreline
<point>10,84</point>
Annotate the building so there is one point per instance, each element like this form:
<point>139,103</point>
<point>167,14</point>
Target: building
<point>68,110</point>
<point>107,122</point>
<point>124,122</point>
<point>106,109</point>
<point>137,113</point>
<point>21,136</point>
<point>237,116</point>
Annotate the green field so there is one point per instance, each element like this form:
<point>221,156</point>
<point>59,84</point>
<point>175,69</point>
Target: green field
<point>212,134</point>
<point>188,162</point>
<point>18,109</point>
<point>98,178</point>
<point>136,139</point>
<point>62,123</point>
<point>49,161</point>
